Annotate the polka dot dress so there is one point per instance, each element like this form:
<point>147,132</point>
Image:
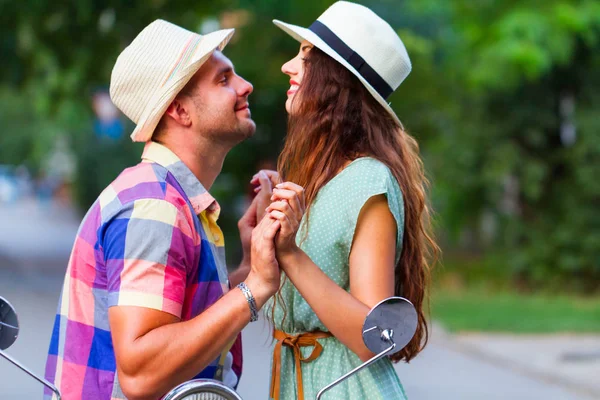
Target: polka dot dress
<point>333,218</point>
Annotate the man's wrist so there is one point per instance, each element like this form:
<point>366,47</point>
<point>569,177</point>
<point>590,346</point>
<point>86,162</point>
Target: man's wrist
<point>253,308</point>
<point>259,289</point>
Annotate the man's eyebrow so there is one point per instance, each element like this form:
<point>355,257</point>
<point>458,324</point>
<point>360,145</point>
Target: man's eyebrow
<point>223,70</point>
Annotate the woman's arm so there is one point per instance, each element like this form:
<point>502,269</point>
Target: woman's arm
<point>372,259</point>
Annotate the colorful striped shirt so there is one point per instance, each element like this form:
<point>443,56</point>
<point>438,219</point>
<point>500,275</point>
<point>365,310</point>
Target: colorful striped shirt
<point>150,240</point>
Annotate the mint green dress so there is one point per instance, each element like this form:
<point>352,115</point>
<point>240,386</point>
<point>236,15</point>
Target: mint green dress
<point>333,218</point>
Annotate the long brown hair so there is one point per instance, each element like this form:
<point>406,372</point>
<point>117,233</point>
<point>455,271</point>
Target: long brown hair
<point>336,120</point>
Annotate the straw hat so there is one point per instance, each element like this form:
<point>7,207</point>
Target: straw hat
<point>154,68</point>
<point>361,41</point>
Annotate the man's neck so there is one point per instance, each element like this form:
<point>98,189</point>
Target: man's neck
<point>203,158</point>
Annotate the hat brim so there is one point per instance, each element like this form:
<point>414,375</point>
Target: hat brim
<point>164,96</point>
<point>299,33</point>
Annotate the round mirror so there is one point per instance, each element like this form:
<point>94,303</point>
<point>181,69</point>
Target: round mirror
<point>393,320</point>
<point>9,324</point>
<point>202,389</point>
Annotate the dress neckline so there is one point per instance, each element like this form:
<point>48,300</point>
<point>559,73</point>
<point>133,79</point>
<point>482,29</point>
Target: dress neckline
<point>346,168</point>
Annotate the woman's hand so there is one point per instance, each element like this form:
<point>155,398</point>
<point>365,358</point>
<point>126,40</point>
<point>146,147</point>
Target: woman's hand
<point>288,208</point>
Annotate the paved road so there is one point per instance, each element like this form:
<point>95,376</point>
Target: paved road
<point>32,282</point>
<point>441,372</point>
<point>35,298</point>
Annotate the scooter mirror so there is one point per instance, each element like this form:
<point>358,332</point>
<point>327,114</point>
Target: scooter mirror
<point>9,324</point>
<point>387,329</point>
<point>394,315</point>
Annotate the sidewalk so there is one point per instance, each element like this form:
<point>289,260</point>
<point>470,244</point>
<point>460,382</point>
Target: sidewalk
<point>32,234</point>
<point>569,360</point>
<point>449,368</point>
<point>37,241</point>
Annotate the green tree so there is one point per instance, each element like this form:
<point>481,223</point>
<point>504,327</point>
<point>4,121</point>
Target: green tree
<point>520,149</point>
<point>502,98</point>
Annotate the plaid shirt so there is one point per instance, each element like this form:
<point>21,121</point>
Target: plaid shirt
<point>150,240</point>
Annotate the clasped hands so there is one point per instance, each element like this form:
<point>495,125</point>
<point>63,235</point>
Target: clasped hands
<point>268,229</point>
<point>282,203</point>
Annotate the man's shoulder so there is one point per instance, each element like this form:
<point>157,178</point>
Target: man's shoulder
<point>144,173</point>
<point>146,183</point>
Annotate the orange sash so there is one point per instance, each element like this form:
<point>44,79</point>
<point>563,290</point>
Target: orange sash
<point>295,342</point>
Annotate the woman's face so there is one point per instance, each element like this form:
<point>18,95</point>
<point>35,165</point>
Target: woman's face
<point>295,69</point>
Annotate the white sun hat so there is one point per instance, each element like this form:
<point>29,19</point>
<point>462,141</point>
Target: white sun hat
<point>154,68</point>
<point>361,41</point>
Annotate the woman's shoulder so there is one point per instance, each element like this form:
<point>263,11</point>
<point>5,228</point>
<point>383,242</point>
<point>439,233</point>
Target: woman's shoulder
<point>362,179</point>
<point>367,164</point>
<point>366,172</point>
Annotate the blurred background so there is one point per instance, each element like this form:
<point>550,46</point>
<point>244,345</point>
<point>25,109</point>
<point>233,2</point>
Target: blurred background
<point>504,99</point>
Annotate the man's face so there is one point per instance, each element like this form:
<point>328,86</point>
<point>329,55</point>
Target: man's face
<point>220,102</point>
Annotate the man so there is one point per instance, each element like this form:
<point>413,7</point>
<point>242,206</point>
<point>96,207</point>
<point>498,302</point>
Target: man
<point>146,303</point>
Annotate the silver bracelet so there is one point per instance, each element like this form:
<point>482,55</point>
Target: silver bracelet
<point>251,302</point>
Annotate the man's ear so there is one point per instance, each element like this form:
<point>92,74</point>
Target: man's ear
<point>179,112</point>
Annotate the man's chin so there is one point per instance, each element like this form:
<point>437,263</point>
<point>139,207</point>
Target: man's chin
<point>248,127</point>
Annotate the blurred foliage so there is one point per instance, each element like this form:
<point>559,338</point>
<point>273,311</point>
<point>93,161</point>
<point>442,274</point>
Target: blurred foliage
<point>527,139</point>
<point>482,310</point>
<point>502,97</point>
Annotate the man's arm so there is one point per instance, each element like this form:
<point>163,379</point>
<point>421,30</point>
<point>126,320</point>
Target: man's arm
<point>155,352</point>
<point>146,277</point>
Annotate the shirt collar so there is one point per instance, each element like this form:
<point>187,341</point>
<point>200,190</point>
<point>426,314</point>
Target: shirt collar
<point>196,193</point>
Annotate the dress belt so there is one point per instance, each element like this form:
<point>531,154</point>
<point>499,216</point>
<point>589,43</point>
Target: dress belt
<point>295,342</point>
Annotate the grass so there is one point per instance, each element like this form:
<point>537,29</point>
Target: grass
<point>480,308</point>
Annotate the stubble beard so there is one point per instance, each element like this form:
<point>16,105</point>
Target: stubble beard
<point>223,128</point>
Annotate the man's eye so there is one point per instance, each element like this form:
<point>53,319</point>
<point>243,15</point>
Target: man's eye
<point>224,80</point>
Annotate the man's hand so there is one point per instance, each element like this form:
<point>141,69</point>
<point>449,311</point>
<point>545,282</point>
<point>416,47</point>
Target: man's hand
<point>264,277</point>
<point>264,181</point>
<point>246,224</point>
<point>272,175</point>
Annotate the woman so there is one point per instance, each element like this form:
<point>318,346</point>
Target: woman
<point>365,235</point>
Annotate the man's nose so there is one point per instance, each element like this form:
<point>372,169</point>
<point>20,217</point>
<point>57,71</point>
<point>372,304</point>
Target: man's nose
<point>245,88</point>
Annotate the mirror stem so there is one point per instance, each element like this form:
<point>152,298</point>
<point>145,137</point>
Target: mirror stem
<point>42,381</point>
<point>355,370</point>
<point>9,326</point>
